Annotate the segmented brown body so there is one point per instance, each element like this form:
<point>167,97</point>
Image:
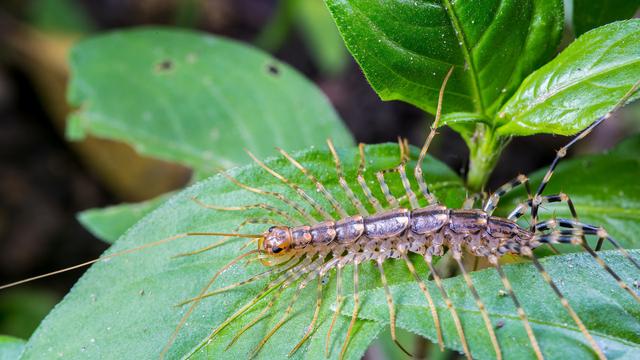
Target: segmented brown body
<point>427,231</point>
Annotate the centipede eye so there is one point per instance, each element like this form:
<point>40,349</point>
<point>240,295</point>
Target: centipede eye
<point>271,228</point>
<point>276,249</point>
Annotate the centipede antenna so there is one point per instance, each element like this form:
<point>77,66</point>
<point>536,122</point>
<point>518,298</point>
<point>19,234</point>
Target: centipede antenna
<point>392,310</point>
<point>343,182</point>
<point>338,308</point>
<point>450,306</point>
<point>356,309</point>
<point>314,204</point>
<point>321,188</point>
<point>363,183</point>
<point>427,294</point>
<point>314,319</point>
<point>521,314</point>
<point>432,133</point>
<point>125,252</point>
<point>582,134</point>
<point>296,206</point>
<point>483,311</point>
<point>195,303</point>
<point>565,303</point>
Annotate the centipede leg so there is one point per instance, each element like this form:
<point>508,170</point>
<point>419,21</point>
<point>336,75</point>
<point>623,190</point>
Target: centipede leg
<point>565,303</point>
<point>285,317</point>
<point>483,311</point>
<point>257,318</point>
<point>576,237</point>
<point>392,309</point>
<point>452,309</point>
<point>563,151</point>
<point>363,183</point>
<point>314,204</point>
<point>339,302</point>
<point>319,185</point>
<point>427,294</point>
<point>423,152</point>
<point>314,319</point>
<point>354,314</point>
<point>343,182</point>
<point>521,314</point>
<point>195,303</point>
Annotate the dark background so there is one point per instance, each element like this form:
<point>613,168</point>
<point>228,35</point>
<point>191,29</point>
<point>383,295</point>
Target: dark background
<point>44,182</point>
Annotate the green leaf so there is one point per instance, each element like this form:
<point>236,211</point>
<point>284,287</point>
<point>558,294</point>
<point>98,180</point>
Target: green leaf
<point>406,47</point>
<point>109,223</point>
<point>126,306</point>
<point>21,310</point>
<point>589,14</point>
<point>10,347</point>
<point>577,87</point>
<point>194,99</point>
<point>610,314</point>
<point>604,189</point>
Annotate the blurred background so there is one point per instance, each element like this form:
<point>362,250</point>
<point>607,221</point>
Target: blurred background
<point>45,179</point>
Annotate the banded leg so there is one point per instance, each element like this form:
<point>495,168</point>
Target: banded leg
<point>563,151</point>
<point>586,229</point>
<point>363,183</point>
<point>427,295</point>
<point>319,186</point>
<point>392,309</point>
<point>565,303</point>
<point>452,309</point>
<point>470,201</point>
<point>354,314</point>
<point>493,260</point>
<point>294,205</point>
<point>577,238</point>
<point>457,255</point>
<point>423,152</point>
<point>343,182</point>
<point>339,302</point>
<point>493,200</point>
<point>314,204</point>
<point>314,319</point>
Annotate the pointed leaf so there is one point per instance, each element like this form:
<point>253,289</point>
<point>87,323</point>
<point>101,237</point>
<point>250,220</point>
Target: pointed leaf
<point>406,47</point>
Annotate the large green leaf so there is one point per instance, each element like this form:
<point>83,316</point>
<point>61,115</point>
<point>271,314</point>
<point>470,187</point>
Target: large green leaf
<point>126,306</point>
<point>10,347</point>
<point>611,315</point>
<point>194,99</point>
<point>604,189</point>
<point>406,47</point>
<point>581,84</point>
<point>589,14</point>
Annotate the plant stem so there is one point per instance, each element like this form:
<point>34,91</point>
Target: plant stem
<point>485,148</point>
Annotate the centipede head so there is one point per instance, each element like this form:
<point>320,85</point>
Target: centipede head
<point>275,244</point>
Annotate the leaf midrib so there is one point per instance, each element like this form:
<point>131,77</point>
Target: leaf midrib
<point>477,94</point>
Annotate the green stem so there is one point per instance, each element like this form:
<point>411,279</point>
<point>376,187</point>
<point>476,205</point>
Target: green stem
<point>485,148</point>
<point>276,31</point>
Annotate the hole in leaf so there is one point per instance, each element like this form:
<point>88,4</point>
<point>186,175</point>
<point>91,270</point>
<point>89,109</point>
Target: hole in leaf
<point>165,65</point>
<point>273,69</point>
